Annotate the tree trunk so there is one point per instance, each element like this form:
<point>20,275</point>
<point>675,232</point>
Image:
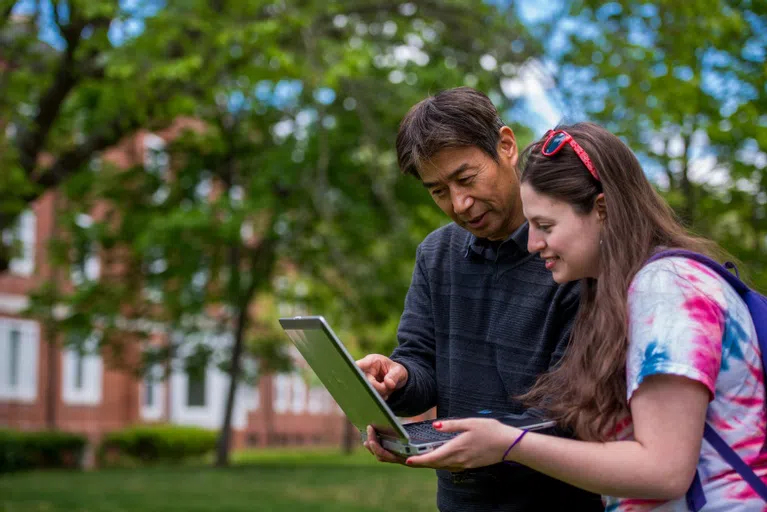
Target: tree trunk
<point>268,411</point>
<point>225,436</point>
<point>688,190</point>
<point>52,385</point>
<point>349,437</point>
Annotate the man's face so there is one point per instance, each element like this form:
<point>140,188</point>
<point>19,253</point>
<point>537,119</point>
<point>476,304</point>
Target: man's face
<point>478,193</point>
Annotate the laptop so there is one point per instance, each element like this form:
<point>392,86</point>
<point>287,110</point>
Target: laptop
<point>361,403</point>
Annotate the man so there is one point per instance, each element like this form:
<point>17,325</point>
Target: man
<point>482,317</point>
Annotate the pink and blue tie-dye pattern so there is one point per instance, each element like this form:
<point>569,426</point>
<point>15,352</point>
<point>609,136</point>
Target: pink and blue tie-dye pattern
<point>685,320</point>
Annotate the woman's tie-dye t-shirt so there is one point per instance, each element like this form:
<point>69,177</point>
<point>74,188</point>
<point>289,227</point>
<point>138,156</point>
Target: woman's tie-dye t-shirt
<point>686,320</point>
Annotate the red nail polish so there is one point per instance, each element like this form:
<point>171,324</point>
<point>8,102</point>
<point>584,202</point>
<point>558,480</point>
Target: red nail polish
<point>437,424</point>
<point>408,462</point>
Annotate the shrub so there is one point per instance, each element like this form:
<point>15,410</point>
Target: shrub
<point>155,443</point>
<point>42,449</point>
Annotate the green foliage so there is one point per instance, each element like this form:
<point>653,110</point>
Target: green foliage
<point>297,109</point>
<point>148,444</point>
<point>689,102</point>
<point>44,449</point>
<point>286,171</point>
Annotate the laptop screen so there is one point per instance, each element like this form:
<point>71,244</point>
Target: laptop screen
<point>337,371</point>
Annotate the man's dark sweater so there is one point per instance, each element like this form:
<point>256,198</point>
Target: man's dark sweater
<point>481,321</point>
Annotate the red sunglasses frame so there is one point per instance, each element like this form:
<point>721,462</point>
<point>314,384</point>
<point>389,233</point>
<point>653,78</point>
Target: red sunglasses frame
<point>568,139</point>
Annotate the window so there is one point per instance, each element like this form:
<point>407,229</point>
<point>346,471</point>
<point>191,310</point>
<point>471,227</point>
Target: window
<point>195,393</point>
<point>23,234</point>
<point>19,342</point>
<point>317,400</point>
<point>79,370</point>
<point>152,396</point>
<point>149,391</point>
<point>281,384</point>
<point>14,359</point>
<point>298,403</point>
<point>83,371</point>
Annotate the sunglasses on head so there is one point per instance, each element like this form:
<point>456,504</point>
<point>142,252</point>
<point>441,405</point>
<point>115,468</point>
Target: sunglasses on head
<point>556,140</point>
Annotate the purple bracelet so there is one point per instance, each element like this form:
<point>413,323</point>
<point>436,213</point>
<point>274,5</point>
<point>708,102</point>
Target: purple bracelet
<point>512,445</point>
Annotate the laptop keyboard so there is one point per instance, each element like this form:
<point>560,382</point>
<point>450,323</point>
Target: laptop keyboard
<point>423,431</point>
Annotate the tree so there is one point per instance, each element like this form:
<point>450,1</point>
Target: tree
<point>93,83</point>
<point>291,166</point>
<point>682,83</point>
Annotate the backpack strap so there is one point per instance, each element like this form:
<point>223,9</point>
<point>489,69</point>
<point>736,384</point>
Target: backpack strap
<point>726,451</point>
<point>714,265</point>
<point>696,498</point>
<point>754,301</point>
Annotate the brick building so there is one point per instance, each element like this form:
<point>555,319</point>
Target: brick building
<point>45,386</point>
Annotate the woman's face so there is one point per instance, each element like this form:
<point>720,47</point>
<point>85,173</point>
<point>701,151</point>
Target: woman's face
<point>566,240</point>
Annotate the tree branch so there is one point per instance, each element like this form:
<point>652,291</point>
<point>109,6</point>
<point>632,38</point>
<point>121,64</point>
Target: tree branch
<point>30,143</point>
<point>6,8</point>
<point>71,161</point>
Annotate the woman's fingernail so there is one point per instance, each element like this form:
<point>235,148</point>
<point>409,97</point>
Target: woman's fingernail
<point>437,424</point>
<point>408,462</point>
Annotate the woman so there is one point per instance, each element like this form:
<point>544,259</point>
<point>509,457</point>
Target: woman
<point>657,349</point>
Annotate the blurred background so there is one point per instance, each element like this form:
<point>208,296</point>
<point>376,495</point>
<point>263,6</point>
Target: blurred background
<point>177,174</point>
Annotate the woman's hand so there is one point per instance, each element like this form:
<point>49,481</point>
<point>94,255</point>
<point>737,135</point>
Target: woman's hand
<point>482,443</point>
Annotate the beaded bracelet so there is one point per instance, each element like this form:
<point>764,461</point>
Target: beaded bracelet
<point>512,445</point>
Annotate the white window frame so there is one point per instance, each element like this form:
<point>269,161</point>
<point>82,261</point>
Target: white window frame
<point>298,397</point>
<point>153,377</point>
<point>251,394</point>
<point>91,390</point>
<point>24,231</point>
<point>281,394</point>
<point>317,400</point>
<point>216,388</point>
<point>25,387</point>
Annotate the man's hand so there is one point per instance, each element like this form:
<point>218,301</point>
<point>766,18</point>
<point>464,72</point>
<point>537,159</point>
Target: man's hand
<point>379,451</point>
<point>385,375</point>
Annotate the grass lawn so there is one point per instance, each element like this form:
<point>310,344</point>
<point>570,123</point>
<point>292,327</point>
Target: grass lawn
<point>273,480</point>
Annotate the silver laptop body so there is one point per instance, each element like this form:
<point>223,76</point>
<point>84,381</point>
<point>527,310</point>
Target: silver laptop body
<point>361,403</point>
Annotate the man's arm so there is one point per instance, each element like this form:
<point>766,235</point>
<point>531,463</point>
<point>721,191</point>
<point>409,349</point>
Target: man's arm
<point>417,347</point>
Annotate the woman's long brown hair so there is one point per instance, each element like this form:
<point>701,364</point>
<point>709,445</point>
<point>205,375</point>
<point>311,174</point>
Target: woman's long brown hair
<point>587,391</point>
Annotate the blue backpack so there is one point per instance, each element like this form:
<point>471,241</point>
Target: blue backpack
<point>757,306</point>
